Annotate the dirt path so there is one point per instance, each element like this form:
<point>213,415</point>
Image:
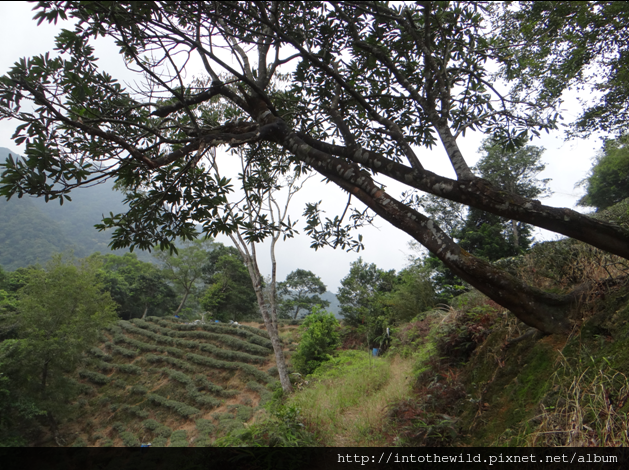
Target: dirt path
<point>363,424</point>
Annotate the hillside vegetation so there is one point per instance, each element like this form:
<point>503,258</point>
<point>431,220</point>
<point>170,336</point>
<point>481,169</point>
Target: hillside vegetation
<point>170,383</point>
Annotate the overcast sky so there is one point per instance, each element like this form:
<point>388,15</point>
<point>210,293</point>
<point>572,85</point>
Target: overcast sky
<point>387,247</point>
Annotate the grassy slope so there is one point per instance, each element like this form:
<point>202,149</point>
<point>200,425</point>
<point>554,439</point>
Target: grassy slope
<point>170,384</point>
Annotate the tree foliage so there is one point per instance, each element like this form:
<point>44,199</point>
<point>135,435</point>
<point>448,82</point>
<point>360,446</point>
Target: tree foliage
<point>372,82</point>
<point>139,288</point>
<point>61,312</point>
<point>361,291</point>
<point>229,294</point>
<point>185,268</point>
<point>549,47</point>
<point>608,181</point>
<point>300,291</point>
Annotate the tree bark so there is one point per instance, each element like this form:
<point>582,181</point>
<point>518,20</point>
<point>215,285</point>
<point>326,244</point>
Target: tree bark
<point>269,322</point>
<point>516,238</point>
<point>478,193</point>
<point>544,311</point>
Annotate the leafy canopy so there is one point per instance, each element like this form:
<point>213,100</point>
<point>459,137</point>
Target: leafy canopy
<point>549,47</point>
<point>300,291</point>
<point>608,181</point>
<point>372,82</point>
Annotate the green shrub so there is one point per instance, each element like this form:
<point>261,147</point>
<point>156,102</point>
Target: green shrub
<point>211,362</point>
<point>104,366</point>
<point>252,371</point>
<point>202,398</point>
<point>119,383</point>
<point>265,394</point>
<point>170,360</point>
<point>129,369</point>
<point>244,413</point>
<point>202,441</point>
<point>204,383</point>
<point>129,440</point>
<point>226,339</point>
<point>318,341</point>
<point>85,389</point>
<point>231,355</point>
<point>229,425</point>
<point>178,376</point>
<point>118,427</point>
<point>260,338</point>
<point>159,442</point>
<point>123,351</point>
<point>137,344</point>
<point>102,401</point>
<point>180,408</point>
<point>94,377</point>
<point>98,353</point>
<point>136,410</point>
<point>174,351</point>
<point>139,390</point>
<point>205,426</point>
<point>179,439</point>
<point>163,432</point>
<point>150,424</point>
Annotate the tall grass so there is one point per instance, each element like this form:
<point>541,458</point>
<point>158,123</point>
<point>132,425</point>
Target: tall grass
<point>589,410</point>
<point>347,403</point>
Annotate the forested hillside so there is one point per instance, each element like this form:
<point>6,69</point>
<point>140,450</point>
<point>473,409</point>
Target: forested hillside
<point>31,230</point>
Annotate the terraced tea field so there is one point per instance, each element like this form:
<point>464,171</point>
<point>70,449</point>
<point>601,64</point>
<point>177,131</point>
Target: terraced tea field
<point>172,384</point>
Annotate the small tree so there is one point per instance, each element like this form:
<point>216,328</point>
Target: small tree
<point>185,268</point>
<point>300,292</point>
<point>412,295</point>
<point>319,340</point>
<point>514,171</point>
<point>361,291</point>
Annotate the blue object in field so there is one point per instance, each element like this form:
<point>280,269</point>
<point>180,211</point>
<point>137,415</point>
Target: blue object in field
<point>375,352</point>
<point>176,316</point>
<point>216,321</point>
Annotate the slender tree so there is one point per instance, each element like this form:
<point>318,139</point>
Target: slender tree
<point>186,267</point>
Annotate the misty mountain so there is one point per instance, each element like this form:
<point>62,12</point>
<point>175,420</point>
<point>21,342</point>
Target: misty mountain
<point>31,230</point>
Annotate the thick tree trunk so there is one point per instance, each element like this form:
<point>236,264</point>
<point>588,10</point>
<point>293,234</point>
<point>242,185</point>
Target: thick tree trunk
<point>544,311</point>
<point>477,192</point>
